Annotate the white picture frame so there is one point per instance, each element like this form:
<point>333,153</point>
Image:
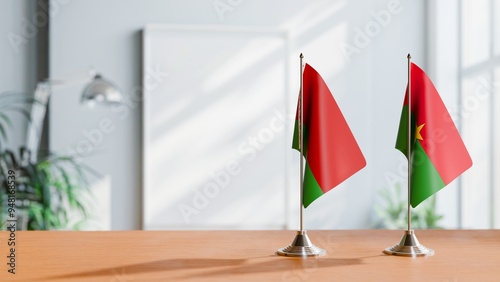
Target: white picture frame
<point>208,93</point>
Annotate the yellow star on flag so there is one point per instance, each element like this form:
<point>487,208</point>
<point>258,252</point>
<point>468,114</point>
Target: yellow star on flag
<point>417,132</point>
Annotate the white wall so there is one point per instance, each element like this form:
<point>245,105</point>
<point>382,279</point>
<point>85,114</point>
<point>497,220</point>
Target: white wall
<point>465,76</point>
<point>444,69</point>
<point>17,56</point>
<point>368,86</point>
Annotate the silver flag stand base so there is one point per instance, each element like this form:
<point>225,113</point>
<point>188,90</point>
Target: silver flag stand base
<point>301,247</point>
<point>409,247</point>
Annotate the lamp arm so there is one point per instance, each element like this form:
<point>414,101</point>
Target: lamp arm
<point>38,111</point>
<point>98,88</point>
<point>42,93</point>
<point>63,83</point>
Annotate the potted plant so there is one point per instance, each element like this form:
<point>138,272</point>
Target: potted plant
<point>48,193</point>
<point>392,212</point>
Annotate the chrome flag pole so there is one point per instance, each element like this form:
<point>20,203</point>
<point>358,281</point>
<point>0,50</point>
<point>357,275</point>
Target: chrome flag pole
<point>409,245</point>
<point>301,245</point>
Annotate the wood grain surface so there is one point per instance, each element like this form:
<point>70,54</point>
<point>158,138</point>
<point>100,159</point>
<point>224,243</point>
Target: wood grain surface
<point>353,255</point>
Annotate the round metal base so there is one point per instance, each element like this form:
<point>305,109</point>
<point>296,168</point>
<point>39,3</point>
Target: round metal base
<point>409,247</point>
<point>301,247</point>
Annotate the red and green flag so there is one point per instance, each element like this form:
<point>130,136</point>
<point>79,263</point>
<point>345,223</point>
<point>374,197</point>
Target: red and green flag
<point>438,153</point>
<point>330,149</point>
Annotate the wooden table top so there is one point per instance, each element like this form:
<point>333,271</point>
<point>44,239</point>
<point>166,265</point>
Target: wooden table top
<point>353,255</point>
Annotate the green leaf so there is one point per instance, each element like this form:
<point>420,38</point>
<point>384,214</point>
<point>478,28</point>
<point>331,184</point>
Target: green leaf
<point>392,211</point>
<point>23,112</point>
<point>56,186</point>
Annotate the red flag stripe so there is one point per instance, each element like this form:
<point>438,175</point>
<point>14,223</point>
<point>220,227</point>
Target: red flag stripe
<point>332,153</point>
<point>441,139</point>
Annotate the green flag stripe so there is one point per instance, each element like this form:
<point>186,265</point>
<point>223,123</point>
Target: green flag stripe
<point>402,138</point>
<point>305,132</point>
<point>312,191</point>
<point>425,179</point>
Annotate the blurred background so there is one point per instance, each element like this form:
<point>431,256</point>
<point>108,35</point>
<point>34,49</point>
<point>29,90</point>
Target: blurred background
<point>202,136</point>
